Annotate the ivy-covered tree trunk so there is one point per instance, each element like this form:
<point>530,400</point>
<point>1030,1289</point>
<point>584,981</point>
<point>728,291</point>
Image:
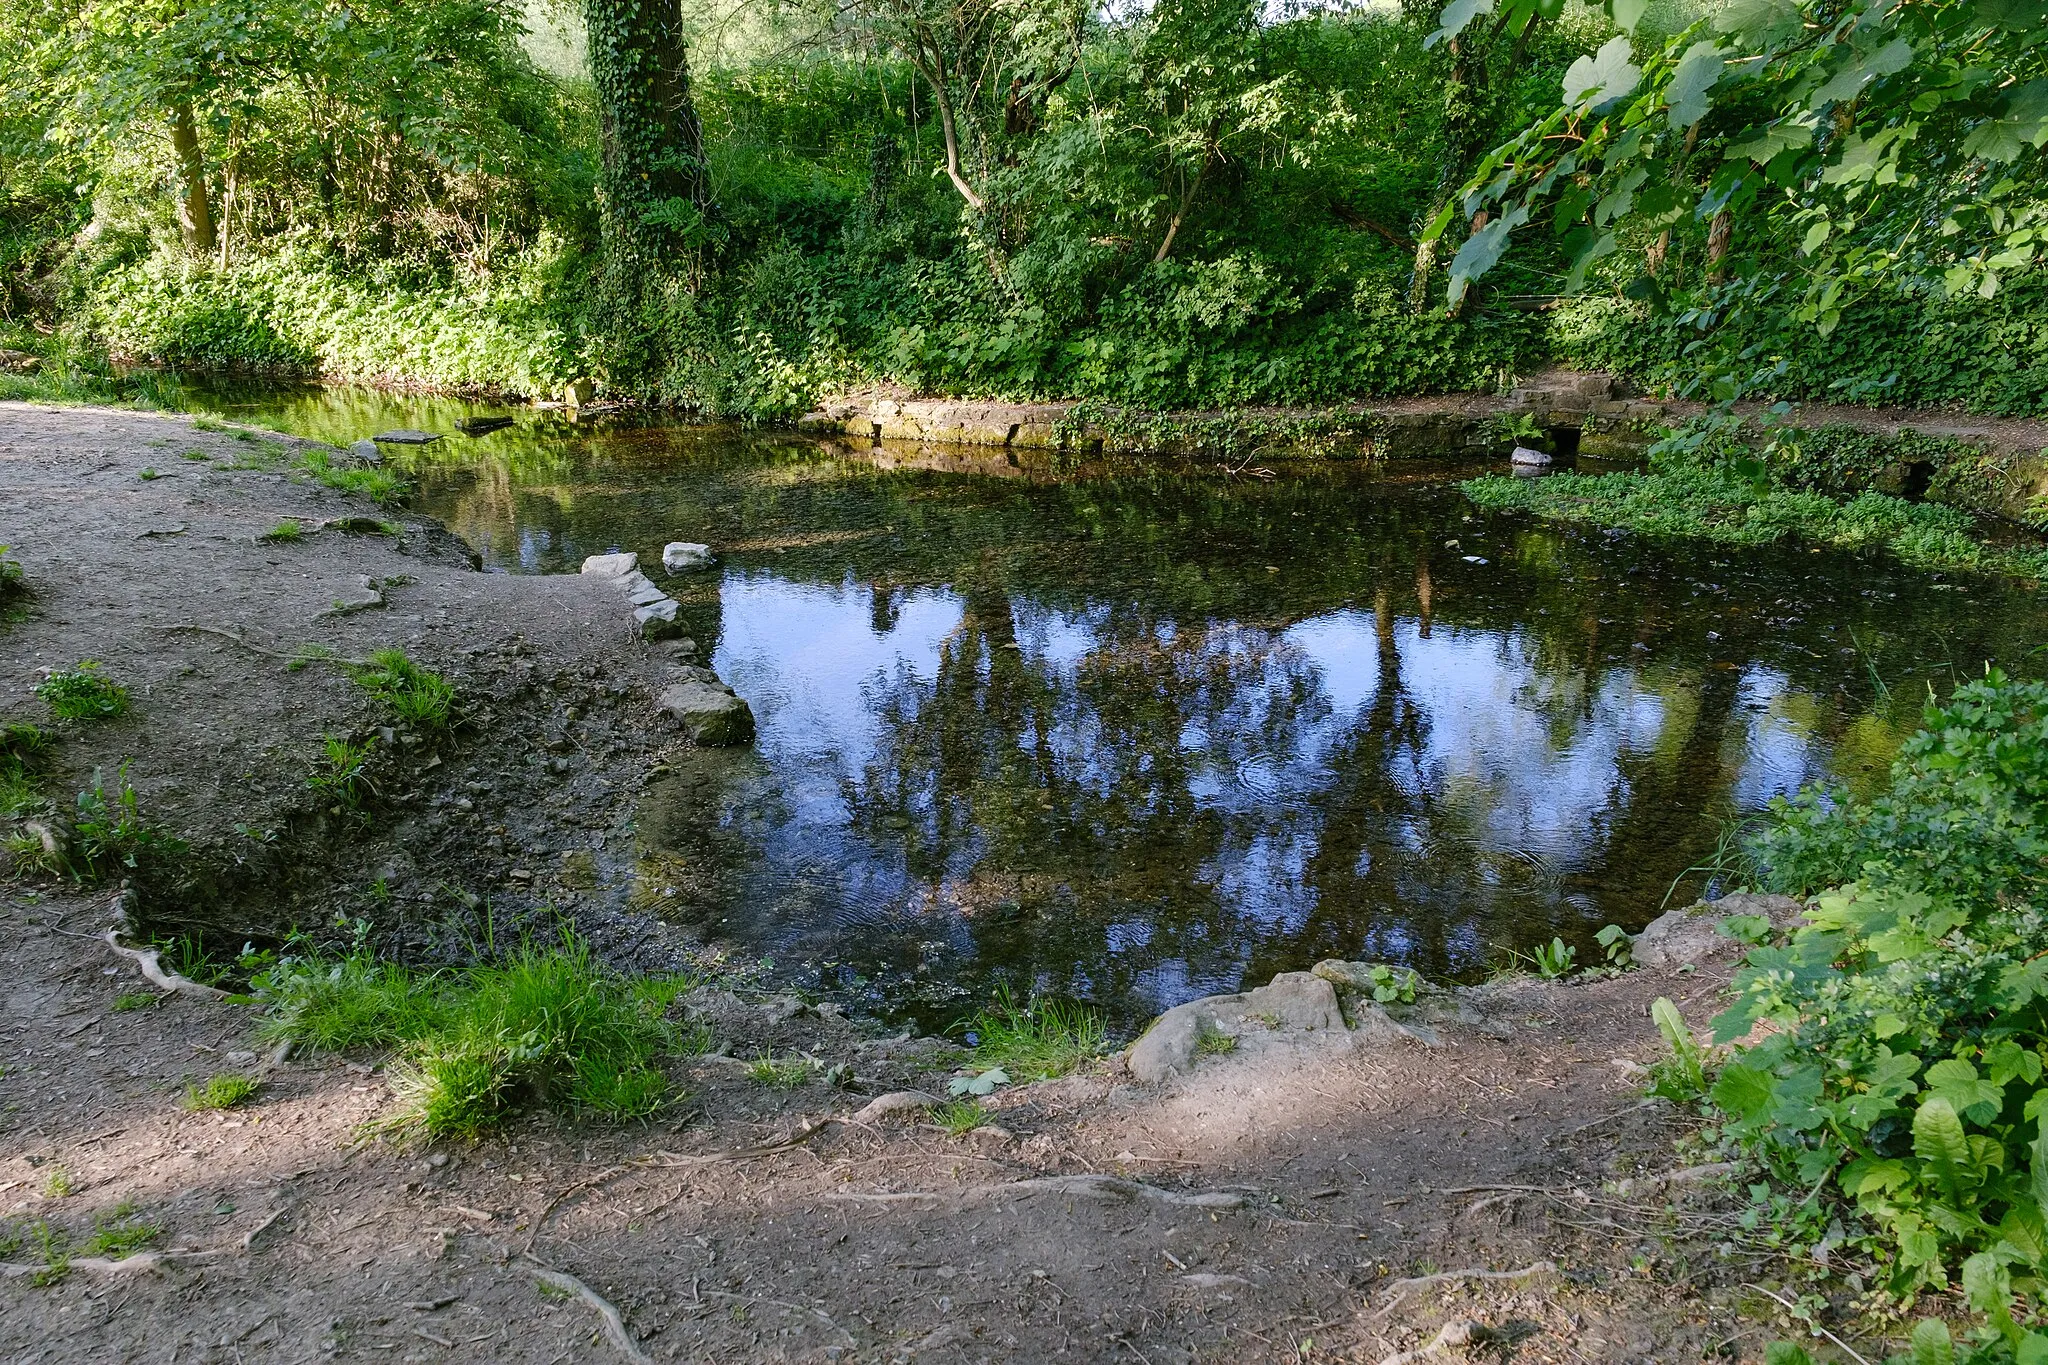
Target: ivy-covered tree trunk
<point>654,188</point>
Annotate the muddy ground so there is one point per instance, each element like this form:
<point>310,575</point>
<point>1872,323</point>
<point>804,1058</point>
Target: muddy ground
<point>1267,1207</point>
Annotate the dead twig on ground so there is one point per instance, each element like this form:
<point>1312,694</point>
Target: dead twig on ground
<point>1794,1311</point>
<point>614,1325</point>
<point>805,1131</point>
<point>1089,1186</point>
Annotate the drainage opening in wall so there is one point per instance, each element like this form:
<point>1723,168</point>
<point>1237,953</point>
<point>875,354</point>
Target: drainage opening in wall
<point>1564,441</point>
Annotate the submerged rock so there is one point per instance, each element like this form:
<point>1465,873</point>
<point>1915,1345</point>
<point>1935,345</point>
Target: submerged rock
<point>365,452</point>
<point>711,713</point>
<point>681,556</point>
<point>1692,935</point>
<point>405,436</point>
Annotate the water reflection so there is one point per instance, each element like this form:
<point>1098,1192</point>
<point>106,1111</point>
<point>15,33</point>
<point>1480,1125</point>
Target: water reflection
<point>1134,733</point>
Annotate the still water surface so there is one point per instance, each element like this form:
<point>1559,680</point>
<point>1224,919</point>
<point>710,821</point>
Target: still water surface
<point>1137,732</point>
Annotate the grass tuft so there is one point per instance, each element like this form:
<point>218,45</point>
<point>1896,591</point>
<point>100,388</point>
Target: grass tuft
<point>382,486</point>
<point>137,1000</point>
<point>109,834</point>
<point>83,692</point>
<point>122,1231</point>
<point>338,776</point>
<point>785,1073</point>
<point>285,531</point>
<point>419,697</point>
<point>1038,1040</point>
<point>224,1091</point>
<point>959,1117</point>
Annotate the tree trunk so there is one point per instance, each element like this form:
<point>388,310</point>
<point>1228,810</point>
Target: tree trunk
<point>195,213</point>
<point>1718,232</point>
<point>651,142</point>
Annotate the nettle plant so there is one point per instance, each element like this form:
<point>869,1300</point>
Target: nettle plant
<point>1907,1017</point>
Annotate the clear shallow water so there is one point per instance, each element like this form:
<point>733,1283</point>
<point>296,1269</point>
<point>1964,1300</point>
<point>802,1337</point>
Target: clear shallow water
<point>1135,733</point>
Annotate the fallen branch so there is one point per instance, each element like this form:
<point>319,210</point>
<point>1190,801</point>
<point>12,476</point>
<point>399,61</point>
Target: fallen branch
<point>1399,1289</point>
<point>1794,1311</point>
<point>149,962</point>
<point>254,648</point>
<point>805,1131</point>
<point>1454,1336</point>
<point>614,1325</point>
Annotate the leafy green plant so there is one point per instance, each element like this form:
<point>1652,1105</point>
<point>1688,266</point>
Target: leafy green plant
<point>21,750</point>
<point>110,833</point>
<point>1392,985</point>
<point>59,1183</point>
<point>380,485</point>
<point>1553,959</point>
<point>978,1083</point>
<point>959,1117</point>
<point>1211,1041</point>
<point>83,692</point>
<point>224,1091</point>
<point>1681,1074</point>
<point>1903,1061</point>
<point>1033,1041</point>
<point>339,776</point>
<point>53,1250</point>
<point>137,1000</point>
<point>780,1073</point>
<point>285,531</point>
<point>1618,945</point>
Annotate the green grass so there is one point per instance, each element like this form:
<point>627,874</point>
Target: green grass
<point>136,1000</point>
<point>1036,1041</point>
<point>1214,1042</point>
<point>959,1117</point>
<point>547,1027</point>
<point>59,1184</point>
<point>1716,505</point>
<point>21,751</point>
<point>784,1073</point>
<point>122,1231</point>
<point>285,531</point>
<point>83,692</point>
<point>380,485</point>
<point>338,775</point>
<point>224,1091</point>
<point>198,456</point>
<point>418,697</point>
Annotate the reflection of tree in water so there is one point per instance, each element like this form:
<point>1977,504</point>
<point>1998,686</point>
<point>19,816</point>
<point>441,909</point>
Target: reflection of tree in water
<point>1054,810</point>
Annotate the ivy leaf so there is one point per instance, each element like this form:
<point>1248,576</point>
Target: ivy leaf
<point>1604,75</point>
<point>1695,75</point>
<point>1957,1082</point>
<point>1786,1353</point>
<point>1455,17</point>
<point>2024,124</point>
<point>1938,1140</point>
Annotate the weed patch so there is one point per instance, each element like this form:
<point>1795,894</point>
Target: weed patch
<point>284,532</point>
<point>109,833</point>
<point>1038,1040</point>
<point>137,1000</point>
<point>418,697</point>
<point>779,1073</point>
<point>122,1231</point>
<point>339,776</point>
<point>21,750</point>
<point>959,1117</point>
<point>224,1091</point>
<point>83,692</point>
<point>382,486</point>
<point>546,1027</point>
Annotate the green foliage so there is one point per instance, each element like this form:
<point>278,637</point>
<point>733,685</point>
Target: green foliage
<point>414,695</point>
<point>1553,959</point>
<point>21,751</point>
<point>1681,1074</point>
<point>285,531</point>
<point>339,775</point>
<point>1618,945</point>
<point>137,1000</point>
<point>1904,1061</point>
<point>110,835</point>
<point>786,1073</point>
<point>959,1117</point>
<point>1392,985</point>
<point>383,486</point>
<point>83,692</point>
<point>224,1091</point>
<point>544,1026</point>
<point>122,1231</point>
<point>1037,1040</point>
<point>13,580</point>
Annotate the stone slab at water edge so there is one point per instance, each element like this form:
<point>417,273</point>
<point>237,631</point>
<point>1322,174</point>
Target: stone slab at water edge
<point>712,714</point>
<point>406,437</point>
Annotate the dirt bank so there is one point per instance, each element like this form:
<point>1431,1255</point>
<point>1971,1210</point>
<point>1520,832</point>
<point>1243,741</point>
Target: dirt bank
<point>1269,1205</point>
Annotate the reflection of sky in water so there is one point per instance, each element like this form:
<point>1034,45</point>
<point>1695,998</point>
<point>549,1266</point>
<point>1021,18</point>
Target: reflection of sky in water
<point>815,660</point>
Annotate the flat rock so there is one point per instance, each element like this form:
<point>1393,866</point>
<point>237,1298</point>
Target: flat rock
<point>656,620</point>
<point>711,714</point>
<point>1524,455</point>
<point>1293,1002</point>
<point>1692,935</point>
<point>680,556</point>
<point>406,436</point>
<point>616,565</point>
<point>481,426</point>
<point>365,452</point>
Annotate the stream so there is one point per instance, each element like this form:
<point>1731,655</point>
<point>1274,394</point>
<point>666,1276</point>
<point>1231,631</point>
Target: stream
<point>1137,731</point>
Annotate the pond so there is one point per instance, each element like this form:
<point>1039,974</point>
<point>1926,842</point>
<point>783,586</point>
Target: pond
<point>1137,731</point>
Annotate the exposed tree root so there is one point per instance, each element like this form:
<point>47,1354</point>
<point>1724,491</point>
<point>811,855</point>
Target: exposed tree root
<point>139,1263</point>
<point>148,962</point>
<point>1400,1289</point>
<point>895,1102</point>
<point>255,648</point>
<point>805,1131</point>
<point>1454,1336</point>
<point>1083,1186</point>
<point>614,1325</point>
